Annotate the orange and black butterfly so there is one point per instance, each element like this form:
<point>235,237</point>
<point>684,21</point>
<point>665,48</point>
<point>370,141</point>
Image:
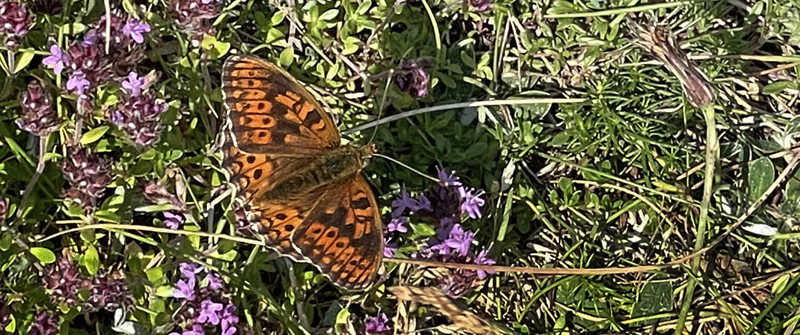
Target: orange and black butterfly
<point>298,181</point>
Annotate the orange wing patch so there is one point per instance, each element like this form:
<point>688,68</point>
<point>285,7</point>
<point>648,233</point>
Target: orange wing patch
<point>270,112</point>
<point>343,234</point>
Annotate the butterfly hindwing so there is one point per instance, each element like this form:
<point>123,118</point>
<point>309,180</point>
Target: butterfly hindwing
<point>342,235</point>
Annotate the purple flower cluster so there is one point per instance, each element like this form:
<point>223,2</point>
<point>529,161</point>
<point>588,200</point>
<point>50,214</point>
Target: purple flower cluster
<point>87,174</point>
<point>45,324</point>
<point>3,211</point>
<point>193,16</point>
<point>445,204</point>
<point>86,61</point>
<point>205,304</point>
<point>412,77</point>
<point>38,116</point>
<point>64,281</point>
<point>139,112</point>
<point>378,325</point>
<point>15,21</point>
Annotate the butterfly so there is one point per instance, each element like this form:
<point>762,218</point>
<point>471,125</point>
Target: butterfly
<point>301,185</point>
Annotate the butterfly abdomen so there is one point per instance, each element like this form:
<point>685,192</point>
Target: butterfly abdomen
<point>328,168</point>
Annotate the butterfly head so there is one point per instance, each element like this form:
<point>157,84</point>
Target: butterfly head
<point>368,150</point>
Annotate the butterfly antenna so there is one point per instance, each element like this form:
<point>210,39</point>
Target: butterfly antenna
<point>383,103</point>
<point>406,166</point>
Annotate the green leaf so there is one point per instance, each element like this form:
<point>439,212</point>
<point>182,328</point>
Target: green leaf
<point>655,298</point>
<point>501,233</point>
<point>760,177</point>
<point>777,87</point>
<point>287,56</point>
<point>44,255</point>
<point>12,325</point>
<point>5,241</point>
<point>23,61</point>
<point>91,260</point>
<point>94,135</point>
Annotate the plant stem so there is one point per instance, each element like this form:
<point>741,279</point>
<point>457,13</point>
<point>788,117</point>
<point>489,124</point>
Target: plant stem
<point>702,225</point>
<point>11,69</point>
<point>623,10</point>
<point>35,177</point>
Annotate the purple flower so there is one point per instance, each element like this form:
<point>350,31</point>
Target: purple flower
<point>140,117</point>
<point>86,172</point>
<point>412,77</point>
<point>208,312</point>
<point>389,249</point>
<point>422,203</point>
<point>229,320</point>
<point>400,204</point>
<point>15,21</point>
<point>185,290</point>
<point>45,324</point>
<point>189,270</point>
<point>78,82</point>
<point>91,38</point>
<point>214,281</point>
<point>134,29</point>
<point>63,280</point>
<point>38,116</point>
<point>483,258</point>
<point>377,325</point>
<point>471,202</point>
<point>191,15</point>
<point>3,209</point>
<point>57,59</point>
<point>480,5</point>
<point>398,225</point>
<point>108,292</point>
<point>448,179</point>
<point>133,84</point>
<point>172,220</point>
<point>460,240</point>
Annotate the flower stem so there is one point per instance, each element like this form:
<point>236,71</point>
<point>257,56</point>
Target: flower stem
<point>35,177</point>
<point>11,69</point>
<point>712,149</point>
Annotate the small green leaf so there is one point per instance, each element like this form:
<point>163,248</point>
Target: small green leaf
<point>93,135</point>
<point>287,56</point>
<point>780,284</point>
<point>5,241</point>
<point>91,260</point>
<point>760,177</point>
<point>23,61</point>
<point>655,298</point>
<point>501,233</point>
<point>12,325</point>
<point>44,255</point>
<point>777,87</point>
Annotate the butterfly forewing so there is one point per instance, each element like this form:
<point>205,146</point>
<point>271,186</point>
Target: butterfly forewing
<point>270,112</point>
<point>277,134</point>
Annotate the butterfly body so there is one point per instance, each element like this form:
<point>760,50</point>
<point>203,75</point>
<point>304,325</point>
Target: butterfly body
<point>326,169</point>
<point>298,181</point>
